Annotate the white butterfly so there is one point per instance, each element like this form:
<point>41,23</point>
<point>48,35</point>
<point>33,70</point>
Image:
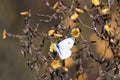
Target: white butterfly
<point>63,47</point>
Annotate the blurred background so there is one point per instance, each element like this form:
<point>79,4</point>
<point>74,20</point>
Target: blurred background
<point>12,64</point>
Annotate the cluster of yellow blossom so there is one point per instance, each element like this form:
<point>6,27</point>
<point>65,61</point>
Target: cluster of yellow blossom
<point>52,33</point>
<point>107,28</point>
<point>76,14</point>
<point>52,48</point>
<point>56,5</point>
<point>78,10</point>
<point>75,33</point>
<point>96,2</point>
<point>55,64</point>
<point>105,10</point>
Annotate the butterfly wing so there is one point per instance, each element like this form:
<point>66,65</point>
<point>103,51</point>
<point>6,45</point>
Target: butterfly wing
<point>68,43</point>
<point>63,48</point>
<point>63,52</point>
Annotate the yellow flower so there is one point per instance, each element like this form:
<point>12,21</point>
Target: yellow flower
<point>105,11</point>
<point>74,16</point>
<point>55,64</point>
<point>51,32</point>
<point>25,13</point>
<point>55,5</point>
<point>57,35</point>
<point>52,48</point>
<point>112,41</point>
<point>96,2</point>
<point>65,69</point>
<point>79,10</point>
<point>4,34</point>
<point>75,32</point>
<point>107,28</point>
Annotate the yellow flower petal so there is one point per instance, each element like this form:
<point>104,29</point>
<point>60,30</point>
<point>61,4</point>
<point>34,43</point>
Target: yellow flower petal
<point>25,13</point>
<point>52,48</point>
<point>75,32</point>
<point>4,34</point>
<point>107,28</point>
<point>79,10</point>
<point>57,35</point>
<point>51,32</point>
<point>65,69</point>
<point>74,16</point>
<point>96,2</point>
<point>55,5</point>
<point>112,41</point>
<point>105,11</point>
<point>55,64</point>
